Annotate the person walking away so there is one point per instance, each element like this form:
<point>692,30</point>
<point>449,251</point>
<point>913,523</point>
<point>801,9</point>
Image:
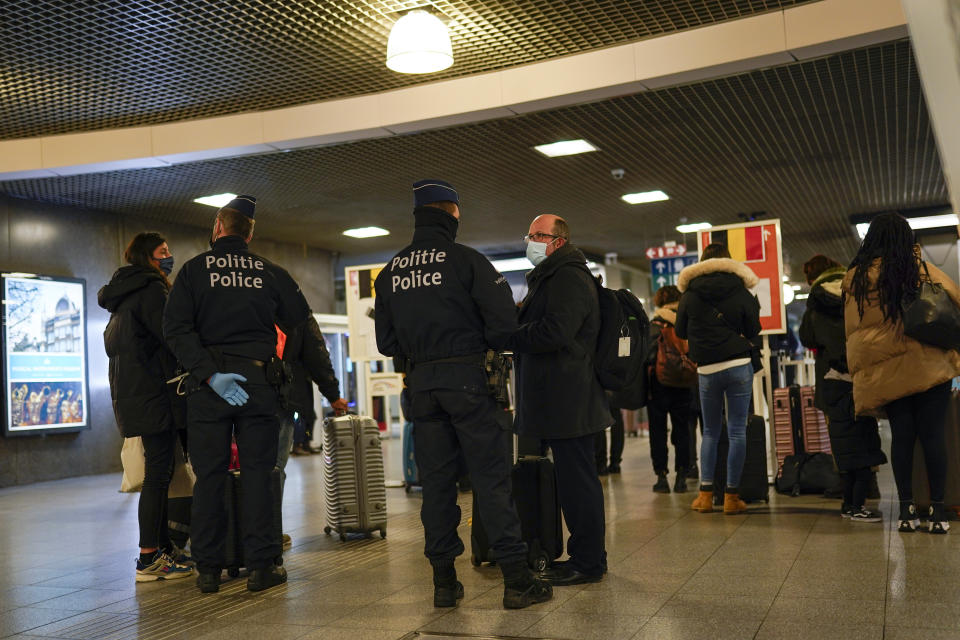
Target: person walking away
<point>669,397</point>
<point>855,442</point>
<point>440,306</point>
<point>893,373</point>
<point>560,400</point>
<point>220,324</point>
<point>719,316</point>
<point>143,404</point>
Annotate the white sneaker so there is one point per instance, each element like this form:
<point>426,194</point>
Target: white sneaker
<point>162,568</point>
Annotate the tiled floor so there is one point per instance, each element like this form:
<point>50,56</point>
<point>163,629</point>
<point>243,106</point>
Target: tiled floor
<point>792,569</point>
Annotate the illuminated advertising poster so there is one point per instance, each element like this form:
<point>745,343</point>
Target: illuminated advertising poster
<point>758,245</point>
<point>44,354</point>
<point>360,311</point>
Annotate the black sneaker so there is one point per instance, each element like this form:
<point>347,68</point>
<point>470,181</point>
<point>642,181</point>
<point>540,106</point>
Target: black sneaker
<point>261,579</point>
<point>614,468</point>
<point>846,510</point>
<point>680,485</point>
<point>864,515</point>
<point>536,591</point>
<point>663,485</point>
<point>447,595</point>
<point>208,582</point>
<point>938,520</point>
<point>908,521</point>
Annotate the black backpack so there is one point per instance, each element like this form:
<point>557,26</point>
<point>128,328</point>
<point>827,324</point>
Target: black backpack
<point>622,343</point>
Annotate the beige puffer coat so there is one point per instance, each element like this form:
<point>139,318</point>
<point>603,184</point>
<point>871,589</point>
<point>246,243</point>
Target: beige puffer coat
<point>887,365</point>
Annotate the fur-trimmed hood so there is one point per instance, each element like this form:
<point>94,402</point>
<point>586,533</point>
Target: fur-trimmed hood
<point>667,312</point>
<point>717,266</point>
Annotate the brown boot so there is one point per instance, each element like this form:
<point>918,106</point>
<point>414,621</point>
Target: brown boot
<point>704,502</point>
<point>732,504</point>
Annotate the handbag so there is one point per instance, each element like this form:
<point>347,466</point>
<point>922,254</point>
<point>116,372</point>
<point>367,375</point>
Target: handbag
<point>931,317</point>
<point>131,457</point>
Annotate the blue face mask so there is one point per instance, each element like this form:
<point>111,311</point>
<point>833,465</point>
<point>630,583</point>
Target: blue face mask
<point>536,252</point>
<point>166,265</point>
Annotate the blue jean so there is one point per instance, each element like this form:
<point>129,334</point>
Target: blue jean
<point>737,385</point>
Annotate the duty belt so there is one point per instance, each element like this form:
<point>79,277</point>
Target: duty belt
<point>475,358</point>
<point>257,363</point>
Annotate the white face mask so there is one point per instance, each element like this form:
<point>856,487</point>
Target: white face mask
<point>536,252</point>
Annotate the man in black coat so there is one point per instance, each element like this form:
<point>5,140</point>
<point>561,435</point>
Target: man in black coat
<point>560,400</point>
<point>440,306</point>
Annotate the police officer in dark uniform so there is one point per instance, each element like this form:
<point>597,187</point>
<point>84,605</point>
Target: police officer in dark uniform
<point>440,306</point>
<point>219,323</point>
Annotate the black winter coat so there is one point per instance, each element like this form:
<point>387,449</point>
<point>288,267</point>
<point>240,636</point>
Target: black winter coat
<point>306,352</point>
<point>140,362</point>
<point>822,327</point>
<point>855,442</point>
<point>718,284</point>
<point>558,394</point>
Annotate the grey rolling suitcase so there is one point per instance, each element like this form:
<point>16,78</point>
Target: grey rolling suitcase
<point>353,476</point>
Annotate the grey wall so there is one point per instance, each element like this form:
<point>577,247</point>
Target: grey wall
<point>63,241</point>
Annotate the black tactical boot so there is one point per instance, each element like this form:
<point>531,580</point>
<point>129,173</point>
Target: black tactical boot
<point>265,578</point>
<point>521,588</point>
<point>663,484</point>
<point>680,485</point>
<point>446,588</point>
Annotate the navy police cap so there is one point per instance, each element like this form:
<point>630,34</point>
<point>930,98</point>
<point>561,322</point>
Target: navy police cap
<point>427,191</point>
<point>243,204</point>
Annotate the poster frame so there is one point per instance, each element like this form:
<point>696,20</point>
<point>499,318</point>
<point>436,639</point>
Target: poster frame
<point>8,430</point>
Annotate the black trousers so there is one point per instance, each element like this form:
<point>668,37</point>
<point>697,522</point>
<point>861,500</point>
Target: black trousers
<point>446,423</point>
<point>675,402</point>
<point>922,416</point>
<point>158,451</point>
<point>856,482</point>
<point>210,423</point>
<point>616,441</point>
<point>581,501</point>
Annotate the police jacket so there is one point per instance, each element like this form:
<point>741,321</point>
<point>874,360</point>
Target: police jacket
<point>718,285</point>
<point>306,352</point>
<point>140,363</point>
<point>437,300</point>
<point>558,394</point>
<point>227,300</point>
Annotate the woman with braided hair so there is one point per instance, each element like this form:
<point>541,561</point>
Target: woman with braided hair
<point>893,373</point>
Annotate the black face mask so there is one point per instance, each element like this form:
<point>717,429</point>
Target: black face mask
<point>166,265</point>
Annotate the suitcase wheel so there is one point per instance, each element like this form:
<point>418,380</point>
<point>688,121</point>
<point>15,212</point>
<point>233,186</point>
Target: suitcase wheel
<point>278,561</point>
<point>406,487</point>
<point>343,537</point>
<point>233,572</point>
<point>327,530</point>
<point>541,562</point>
<point>475,561</point>
<point>383,533</point>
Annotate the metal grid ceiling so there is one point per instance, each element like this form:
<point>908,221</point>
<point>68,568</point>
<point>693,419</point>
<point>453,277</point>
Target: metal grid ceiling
<point>809,143</point>
<point>81,65</point>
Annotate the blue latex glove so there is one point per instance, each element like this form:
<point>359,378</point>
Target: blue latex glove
<point>225,385</point>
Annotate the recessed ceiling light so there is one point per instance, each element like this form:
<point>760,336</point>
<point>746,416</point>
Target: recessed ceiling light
<point>644,197</point>
<point>366,232</point>
<point>694,226</point>
<point>217,200</point>
<point>512,264</point>
<point>565,148</point>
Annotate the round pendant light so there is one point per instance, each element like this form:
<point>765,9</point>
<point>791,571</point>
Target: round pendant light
<point>419,43</point>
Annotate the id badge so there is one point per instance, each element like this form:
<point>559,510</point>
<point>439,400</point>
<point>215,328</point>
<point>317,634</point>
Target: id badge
<point>623,350</point>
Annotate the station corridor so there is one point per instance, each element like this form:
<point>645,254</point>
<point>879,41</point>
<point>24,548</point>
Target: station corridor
<point>788,570</point>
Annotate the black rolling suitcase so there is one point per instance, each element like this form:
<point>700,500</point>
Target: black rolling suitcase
<point>234,546</point>
<point>535,496</point>
<point>753,481</point>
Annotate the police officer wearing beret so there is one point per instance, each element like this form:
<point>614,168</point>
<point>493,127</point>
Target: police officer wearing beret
<point>219,323</point>
<point>440,306</point>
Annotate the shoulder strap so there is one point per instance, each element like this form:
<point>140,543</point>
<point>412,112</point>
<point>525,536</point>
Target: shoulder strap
<point>724,320</point>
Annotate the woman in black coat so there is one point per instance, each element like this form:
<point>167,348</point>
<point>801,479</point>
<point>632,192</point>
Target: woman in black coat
<point>143,403</point>
<point>855,442</point>
<point>718,316</point>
